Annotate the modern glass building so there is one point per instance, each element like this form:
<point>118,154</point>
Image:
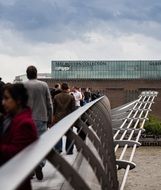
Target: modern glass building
<point>106,69</point>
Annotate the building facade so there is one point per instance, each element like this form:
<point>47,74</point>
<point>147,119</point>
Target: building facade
<point>106,69</point>
<point>121,81</point>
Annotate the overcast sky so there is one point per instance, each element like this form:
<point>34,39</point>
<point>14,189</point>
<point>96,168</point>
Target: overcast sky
<point>34,32</point>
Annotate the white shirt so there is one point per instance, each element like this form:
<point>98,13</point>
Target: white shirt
<point>78,96</point>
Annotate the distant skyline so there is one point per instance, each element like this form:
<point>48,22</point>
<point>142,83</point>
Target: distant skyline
<point>35,32</point>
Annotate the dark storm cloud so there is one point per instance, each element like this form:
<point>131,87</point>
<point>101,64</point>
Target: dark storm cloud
<point>60,20</point>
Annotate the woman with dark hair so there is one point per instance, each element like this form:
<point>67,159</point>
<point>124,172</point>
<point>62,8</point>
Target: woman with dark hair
<point>18,128</point>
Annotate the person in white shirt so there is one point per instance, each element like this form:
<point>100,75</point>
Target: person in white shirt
<point>78,96</point>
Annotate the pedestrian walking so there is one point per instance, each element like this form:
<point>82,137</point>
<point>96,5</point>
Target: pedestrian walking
<point>87,95</point>
<point>64,104</point>
<point>41,104</point>
<point>78,96</point>
<point>1,95</point>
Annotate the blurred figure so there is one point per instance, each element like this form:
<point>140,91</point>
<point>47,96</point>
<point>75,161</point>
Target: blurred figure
<point>64,104</point>
<point>56,90</point>
<point>1,95</point>
<point>1,106</point>
<point>82,102</point>
<point>87,95</point>
<point>95,95</point>
<point>78,96</point>
<point>41,104</point>
<point>98,94</point>
<point>18,127</point>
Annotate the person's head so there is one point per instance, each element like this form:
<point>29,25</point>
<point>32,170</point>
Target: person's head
<point>65,87</point>
<point>79,89</point>
<point>57,86</point>
<point>0,78</point>
<point>15,97</point>
<point>76,89</point>
<point>87,90</point>
<point>31,72</point>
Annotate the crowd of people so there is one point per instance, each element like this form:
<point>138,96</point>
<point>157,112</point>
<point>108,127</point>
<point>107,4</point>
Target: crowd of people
<point>28,109</point>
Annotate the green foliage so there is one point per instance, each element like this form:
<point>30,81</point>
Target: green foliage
<point>153,126</point>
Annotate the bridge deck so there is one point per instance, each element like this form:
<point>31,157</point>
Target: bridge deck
<point>53,180</point>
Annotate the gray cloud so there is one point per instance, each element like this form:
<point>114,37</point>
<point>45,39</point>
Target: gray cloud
<point>56,21</point>
<point>38,31</point>
<point>61,20</point>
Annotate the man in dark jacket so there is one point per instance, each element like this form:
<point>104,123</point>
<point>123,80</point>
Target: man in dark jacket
<point>87,95</point>
<point>56,90</point>
<point>64,104</point>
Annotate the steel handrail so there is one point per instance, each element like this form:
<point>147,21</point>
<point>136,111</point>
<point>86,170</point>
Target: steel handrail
<point>23,164</point>
<point>131,131</point>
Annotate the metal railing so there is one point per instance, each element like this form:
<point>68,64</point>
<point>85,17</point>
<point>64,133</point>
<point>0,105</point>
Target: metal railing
<point>128,122</point>
<point>94,121</point>
<point>110,132</point>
